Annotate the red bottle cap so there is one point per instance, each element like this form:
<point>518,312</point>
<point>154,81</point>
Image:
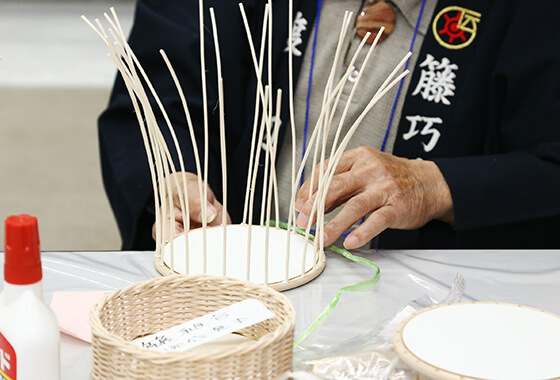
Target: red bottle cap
<point>22,264</point>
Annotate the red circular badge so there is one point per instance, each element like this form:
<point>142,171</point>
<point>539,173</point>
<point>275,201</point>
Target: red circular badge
<point>455,27</point>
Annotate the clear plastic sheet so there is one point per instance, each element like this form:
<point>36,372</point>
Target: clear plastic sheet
<point>529,278</point>
<point>371,355</point>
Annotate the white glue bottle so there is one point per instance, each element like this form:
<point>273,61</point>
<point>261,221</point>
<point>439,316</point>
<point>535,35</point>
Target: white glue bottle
<point>29,336</point>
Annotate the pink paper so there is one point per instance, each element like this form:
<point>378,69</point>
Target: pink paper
<point>72,311</point>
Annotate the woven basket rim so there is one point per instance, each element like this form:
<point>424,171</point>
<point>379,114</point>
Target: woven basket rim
<point>200,355</point>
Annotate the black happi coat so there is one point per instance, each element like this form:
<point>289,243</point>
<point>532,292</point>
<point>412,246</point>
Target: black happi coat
<point>491,127</point>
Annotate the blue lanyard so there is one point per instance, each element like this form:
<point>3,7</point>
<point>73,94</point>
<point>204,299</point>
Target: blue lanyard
<point>402,80</point>
<point>310,82</point>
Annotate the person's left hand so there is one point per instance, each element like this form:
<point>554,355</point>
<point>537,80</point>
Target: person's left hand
<point>398,192</point>
<point>214,209</point>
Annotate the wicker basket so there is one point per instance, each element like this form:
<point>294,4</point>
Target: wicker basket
<point>161,303</point>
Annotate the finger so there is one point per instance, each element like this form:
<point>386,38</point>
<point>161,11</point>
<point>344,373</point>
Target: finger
<point>170,231</point>
<point>377,222</point>
<point>343,182</point>
<point>304,192</point>
<point>342,187</point>
<point>196,211</point>
<point>356,208</point>
<point>177,217</point>
<point>184,185</point>
<point>218,219</point>
<point>166,233</point>
<point>308,216</point>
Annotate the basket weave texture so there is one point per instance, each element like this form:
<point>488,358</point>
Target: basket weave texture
<point>158,304</point>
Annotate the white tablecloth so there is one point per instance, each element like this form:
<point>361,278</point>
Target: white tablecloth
<point>529,278</point>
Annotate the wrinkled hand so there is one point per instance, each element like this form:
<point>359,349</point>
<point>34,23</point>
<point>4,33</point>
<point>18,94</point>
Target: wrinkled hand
<point>214,208</point>
<point>399,193</point>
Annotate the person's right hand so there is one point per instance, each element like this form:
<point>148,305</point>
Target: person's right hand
<point>214,208</point>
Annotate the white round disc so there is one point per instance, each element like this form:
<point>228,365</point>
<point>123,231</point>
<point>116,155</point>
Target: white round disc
<point>266,266</point>
<point>481,340</point>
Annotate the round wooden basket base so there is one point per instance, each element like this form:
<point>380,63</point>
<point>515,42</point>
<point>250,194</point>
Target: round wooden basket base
<point>265,266</point>
<point>481,340</point>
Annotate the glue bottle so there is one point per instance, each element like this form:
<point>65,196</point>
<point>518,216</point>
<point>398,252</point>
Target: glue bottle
<point>29,336</point>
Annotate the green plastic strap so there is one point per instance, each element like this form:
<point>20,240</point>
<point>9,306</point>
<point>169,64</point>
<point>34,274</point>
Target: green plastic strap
<point>359,287</point>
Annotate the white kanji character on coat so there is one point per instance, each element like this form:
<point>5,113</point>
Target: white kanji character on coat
<point>437,80</point>
<point>427,130</point>
<point>300,25</point>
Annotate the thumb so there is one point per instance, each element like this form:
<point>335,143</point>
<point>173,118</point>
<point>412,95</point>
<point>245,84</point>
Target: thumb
<point>211,213</point>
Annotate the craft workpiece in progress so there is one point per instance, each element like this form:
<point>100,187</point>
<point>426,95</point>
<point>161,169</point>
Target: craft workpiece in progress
<point>268,251</point>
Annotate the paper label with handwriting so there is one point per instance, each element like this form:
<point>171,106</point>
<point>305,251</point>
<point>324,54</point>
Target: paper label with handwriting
<point>208,327</point>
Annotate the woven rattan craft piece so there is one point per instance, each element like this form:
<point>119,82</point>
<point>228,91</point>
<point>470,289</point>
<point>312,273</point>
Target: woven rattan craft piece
<point>255,248</point>
<point>154,305</point>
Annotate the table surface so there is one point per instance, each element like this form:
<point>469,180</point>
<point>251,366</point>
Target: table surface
<point>529,278</point>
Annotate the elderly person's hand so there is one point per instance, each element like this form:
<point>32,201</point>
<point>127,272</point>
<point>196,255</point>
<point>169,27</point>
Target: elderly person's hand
<point>214,208</point>
<point>399,193</point>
